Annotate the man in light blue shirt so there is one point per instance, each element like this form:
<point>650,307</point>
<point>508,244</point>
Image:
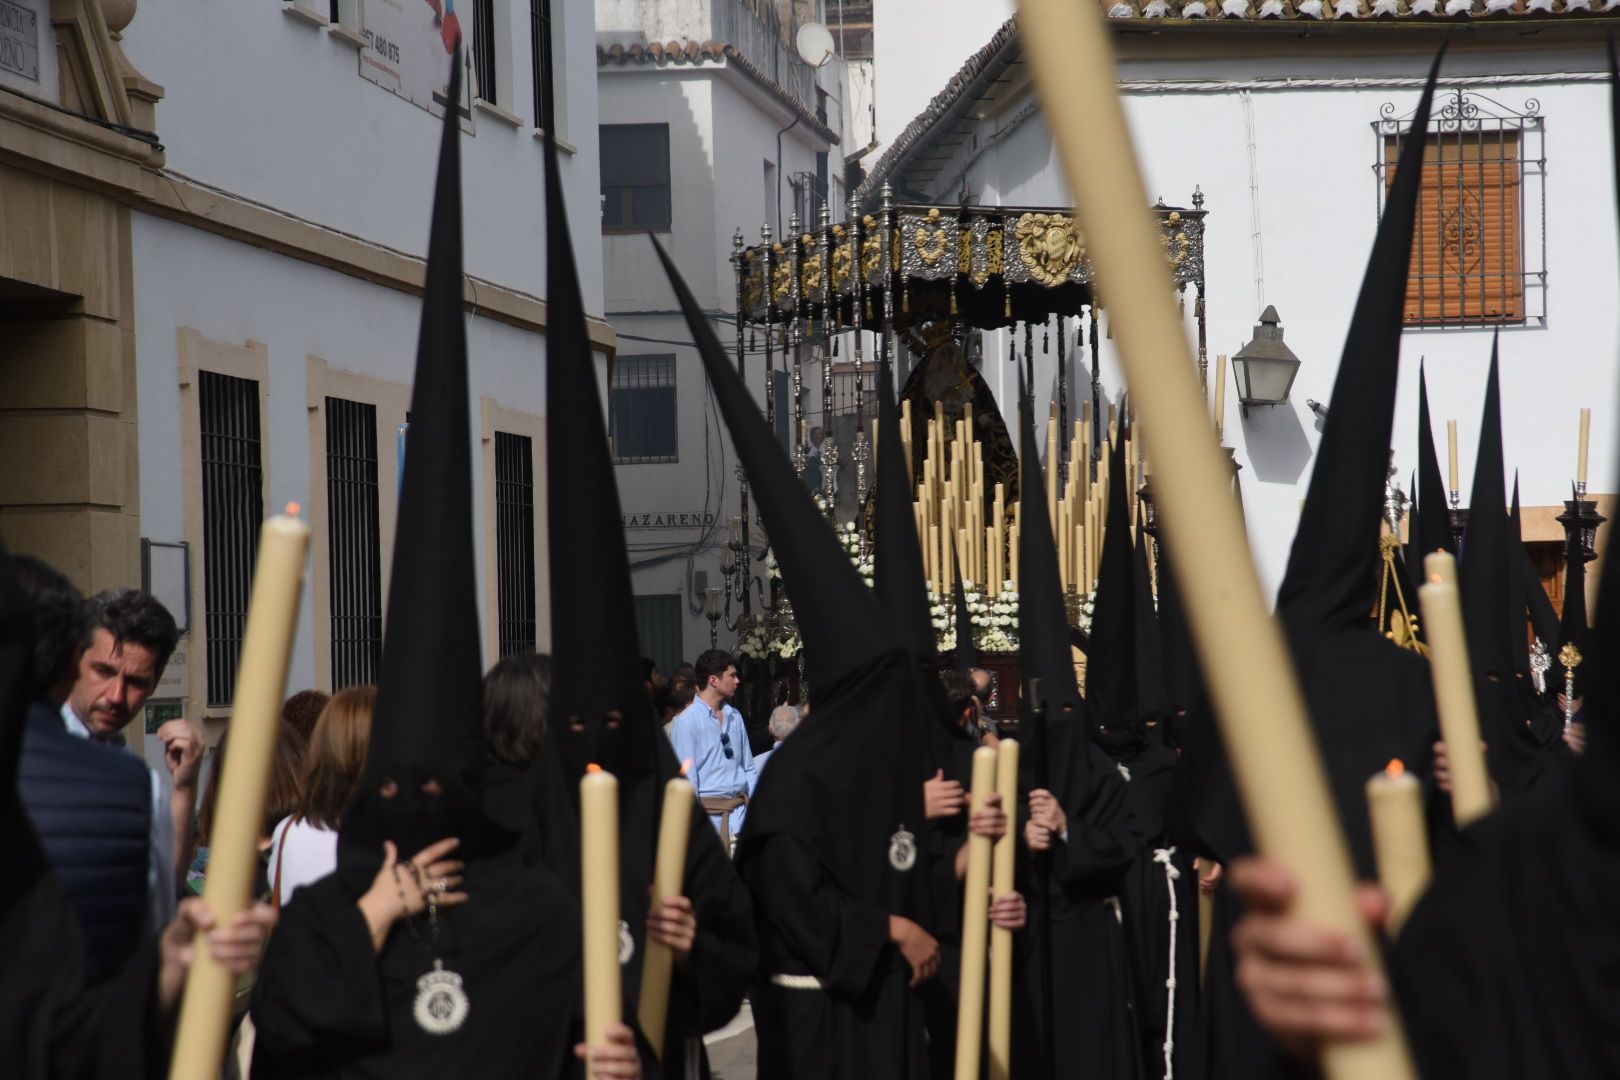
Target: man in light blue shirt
<point>710,739</point>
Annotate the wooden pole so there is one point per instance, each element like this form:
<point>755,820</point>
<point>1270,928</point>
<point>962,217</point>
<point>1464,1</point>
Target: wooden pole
<point>1253,687</point>
<point>278,584</point>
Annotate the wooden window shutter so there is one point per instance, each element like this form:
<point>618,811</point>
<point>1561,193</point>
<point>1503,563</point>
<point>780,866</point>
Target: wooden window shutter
<point>1467,254</point>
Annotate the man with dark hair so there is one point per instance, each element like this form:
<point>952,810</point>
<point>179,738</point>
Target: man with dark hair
<point>303,709</point>
<point>91,806</point>
<point>131,638</point>
<point>710,739</point>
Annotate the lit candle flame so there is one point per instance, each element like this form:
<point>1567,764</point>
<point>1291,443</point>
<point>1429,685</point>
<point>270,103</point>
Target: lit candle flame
<point>292,509</point>
<point>1395,768</point>
<point>593,767</point>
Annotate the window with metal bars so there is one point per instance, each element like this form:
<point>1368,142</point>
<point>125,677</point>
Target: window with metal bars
<point>1479,250</point>
<point>352,532</point>
<point>658,626</point>
<point>545,103</point>
<point>642,419</point>
<point>233,510</point>
<point>483,48</point>
<point>514,542</point>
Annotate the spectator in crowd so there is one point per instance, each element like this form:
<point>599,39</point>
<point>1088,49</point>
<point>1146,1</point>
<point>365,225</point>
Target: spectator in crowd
<point>303,847</point>
<point>710,739</point>
<point>281,799</point>
<point>784,718</point>
<point>517,699</point>
<point>303,709</point>
<point>678,700</point>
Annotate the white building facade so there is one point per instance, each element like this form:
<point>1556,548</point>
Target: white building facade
<point>266,173</point>
<point>711,126</point>
<point>1284,122</point>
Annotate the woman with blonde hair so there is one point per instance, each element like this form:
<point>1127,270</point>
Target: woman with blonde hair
<point>304,846</point>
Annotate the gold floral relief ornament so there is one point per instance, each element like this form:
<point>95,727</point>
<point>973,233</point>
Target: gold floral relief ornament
<point>931,239</point>
<point>843,264</point>
<point>781,280</point>
<point>1175,241</point>
<point>810,279</point>
<point>753,282</point>
<point>1051,247</point>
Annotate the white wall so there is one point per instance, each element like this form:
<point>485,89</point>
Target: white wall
<point>1317,197</point>
<point>722,130</point>
<point>917,45</point>
<point>273,109</point>
<point>188,278</point>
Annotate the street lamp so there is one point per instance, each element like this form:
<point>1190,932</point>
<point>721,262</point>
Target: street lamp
<point>1264,369</point>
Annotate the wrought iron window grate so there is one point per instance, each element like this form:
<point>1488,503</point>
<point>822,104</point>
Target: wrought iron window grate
<point>352,530</point>
<point>642,419</point>
<point>233,510</point>
<point>1479,256</point>
<point>545,101</point>
<point>483,49</point>
<point>514,542</point>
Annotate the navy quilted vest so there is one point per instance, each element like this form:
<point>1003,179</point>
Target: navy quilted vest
<point>92,808</point>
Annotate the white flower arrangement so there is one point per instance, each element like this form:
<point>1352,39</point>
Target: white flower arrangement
<point>994,618</point>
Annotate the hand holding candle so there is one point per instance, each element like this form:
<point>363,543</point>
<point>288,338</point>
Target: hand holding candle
<point>599,896</point>
<point>278,585</point>
<point>674,828</point>
<point>1400,840</point>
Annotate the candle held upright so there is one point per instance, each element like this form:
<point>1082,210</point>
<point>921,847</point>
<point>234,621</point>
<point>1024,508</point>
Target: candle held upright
<point>278,585</point>
<point>1400,840</point>
<point>975,926</point>
<point>599,896</point>
<point>669,876</point>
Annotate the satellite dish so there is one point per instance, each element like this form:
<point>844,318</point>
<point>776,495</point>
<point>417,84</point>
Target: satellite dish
<point>815,44</point>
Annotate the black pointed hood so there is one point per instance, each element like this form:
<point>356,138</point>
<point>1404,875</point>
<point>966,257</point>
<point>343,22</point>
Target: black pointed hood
<point>1111,653</point>
<point>1043,634</point>
<point>1572,628</point>
<point>1152,698</point>
<point>1433,517</point>
<point>1486,555</point>
<point>898,579</point>
<point>429,715</point>
<point>1332,576</point>
<point>596,657</point>
<point>967,653</point>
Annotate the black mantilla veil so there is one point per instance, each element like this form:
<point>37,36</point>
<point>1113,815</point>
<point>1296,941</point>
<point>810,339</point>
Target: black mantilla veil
<point>428,727</point>
<point>832,786</point>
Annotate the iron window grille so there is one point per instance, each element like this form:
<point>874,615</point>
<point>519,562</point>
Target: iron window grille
<point>545,101</point>
<point>233,510</point>
<point>642,415</point>
<point>658,627</point>
<point>1479,256</point>
<point>353,531</point>
<point>483,49</point>
<point>635,176</point>
<point>514,543</point>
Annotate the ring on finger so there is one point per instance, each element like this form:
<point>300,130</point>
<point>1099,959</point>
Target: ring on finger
<point>441,885</point>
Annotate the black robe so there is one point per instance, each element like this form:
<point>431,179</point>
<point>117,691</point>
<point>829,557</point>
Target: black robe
<point>1095,1026</point>
<point>327,1005</point>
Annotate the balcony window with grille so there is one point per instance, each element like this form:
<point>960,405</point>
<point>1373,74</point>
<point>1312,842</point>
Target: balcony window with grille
<point>642,418</point>
<point>545,101</point>
<point>514,542</point>
<point>658,626</point>
<point>352,534</point>
<point>233,510</point>
<point>635,176</point>
<point>1479,251</point>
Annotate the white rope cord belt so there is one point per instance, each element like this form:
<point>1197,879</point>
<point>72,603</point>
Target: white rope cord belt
<point>1171,876</point>
<point>796,982</point>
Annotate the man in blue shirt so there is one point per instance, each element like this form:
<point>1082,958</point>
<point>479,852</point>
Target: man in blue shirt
<point>710,739</point>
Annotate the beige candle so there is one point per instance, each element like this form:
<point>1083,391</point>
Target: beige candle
<point>1256,696</point>
<point>975,927</point>
<point>1220,396</point>
<point>905,440</point>
<point>669,878</point>
<point>933,558</point>
<point>1012,553</point>
<point>1586,430</point>
<point>599,896</point>
<point>1003,860</point>
<point>1451,452</point>
<point>1400,840</point>
<point>261,685</point>
<point>1454,688</point>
